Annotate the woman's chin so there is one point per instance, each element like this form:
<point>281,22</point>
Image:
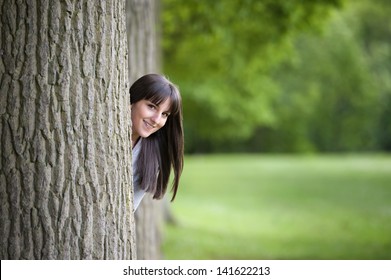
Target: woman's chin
<point>145,135</point>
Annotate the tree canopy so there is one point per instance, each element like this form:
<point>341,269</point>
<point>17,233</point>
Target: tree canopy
<point>299,75</point>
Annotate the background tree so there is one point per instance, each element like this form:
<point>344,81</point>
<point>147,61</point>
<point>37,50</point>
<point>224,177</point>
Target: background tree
<point>221,52</point>
<point>369,20</point>
<point>65,179</point>
<point>334,91</point>
<point>144,55</point>
<point>281,76</point>
<point>327,100</point>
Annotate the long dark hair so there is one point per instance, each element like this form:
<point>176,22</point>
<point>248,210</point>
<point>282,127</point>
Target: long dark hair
<point>163,149</point>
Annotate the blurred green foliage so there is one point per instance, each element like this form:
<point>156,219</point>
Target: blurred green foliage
<point>283,76</point>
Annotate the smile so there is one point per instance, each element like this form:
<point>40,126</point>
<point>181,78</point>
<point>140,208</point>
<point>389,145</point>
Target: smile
<point>149,125</point>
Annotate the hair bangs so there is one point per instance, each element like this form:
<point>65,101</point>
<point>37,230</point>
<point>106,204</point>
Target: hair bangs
<point>160,93</point>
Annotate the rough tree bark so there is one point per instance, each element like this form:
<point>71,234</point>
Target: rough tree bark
<point>144,58</point>
<point>65,159</point>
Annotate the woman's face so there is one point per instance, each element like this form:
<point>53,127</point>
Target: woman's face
<point>147,117</point>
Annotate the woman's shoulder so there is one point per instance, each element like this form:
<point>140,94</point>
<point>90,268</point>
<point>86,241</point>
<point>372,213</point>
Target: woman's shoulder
<point>136,151</point>
<point>137,147</point>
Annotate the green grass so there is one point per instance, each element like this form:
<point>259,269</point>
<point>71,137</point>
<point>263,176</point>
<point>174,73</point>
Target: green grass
<point>282,207</point>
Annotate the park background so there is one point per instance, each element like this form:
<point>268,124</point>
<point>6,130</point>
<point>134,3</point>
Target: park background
<point>287,116</point>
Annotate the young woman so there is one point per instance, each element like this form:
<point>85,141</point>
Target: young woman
<point>157,136</point>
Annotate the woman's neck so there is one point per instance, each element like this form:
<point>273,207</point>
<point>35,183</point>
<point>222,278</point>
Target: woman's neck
<point>135,141</point>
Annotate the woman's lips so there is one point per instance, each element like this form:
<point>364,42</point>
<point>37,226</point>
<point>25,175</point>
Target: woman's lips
<point>150,126</point>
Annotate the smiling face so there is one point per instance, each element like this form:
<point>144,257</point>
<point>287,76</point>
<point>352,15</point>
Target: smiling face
<point>148,117</point>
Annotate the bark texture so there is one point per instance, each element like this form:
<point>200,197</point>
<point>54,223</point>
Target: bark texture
<point>149,229</point>
<point>65,158</point>
<point>142,19</point>
<point>142,22</point>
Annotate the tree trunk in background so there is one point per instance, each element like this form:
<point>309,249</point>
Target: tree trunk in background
<point>149,229</point>
<point>65,178</point>
<point>141,23</point>
<point>143,59</point>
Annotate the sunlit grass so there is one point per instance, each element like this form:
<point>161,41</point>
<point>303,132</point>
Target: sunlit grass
<point>282,207</point>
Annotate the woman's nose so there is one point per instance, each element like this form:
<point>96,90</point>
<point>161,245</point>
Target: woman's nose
<point>156,118</point>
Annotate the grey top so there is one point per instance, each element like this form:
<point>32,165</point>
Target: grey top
<point>138,193</point>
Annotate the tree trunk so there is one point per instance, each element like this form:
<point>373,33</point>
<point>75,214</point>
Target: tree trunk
<point>141,21</point>
<point>65,177</point>
<point>149,229</point>
<point>143,59</point>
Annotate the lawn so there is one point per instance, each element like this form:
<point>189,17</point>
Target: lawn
<point>282,207</point>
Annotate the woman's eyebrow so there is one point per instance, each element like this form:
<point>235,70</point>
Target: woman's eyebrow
<point>158,105</point>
